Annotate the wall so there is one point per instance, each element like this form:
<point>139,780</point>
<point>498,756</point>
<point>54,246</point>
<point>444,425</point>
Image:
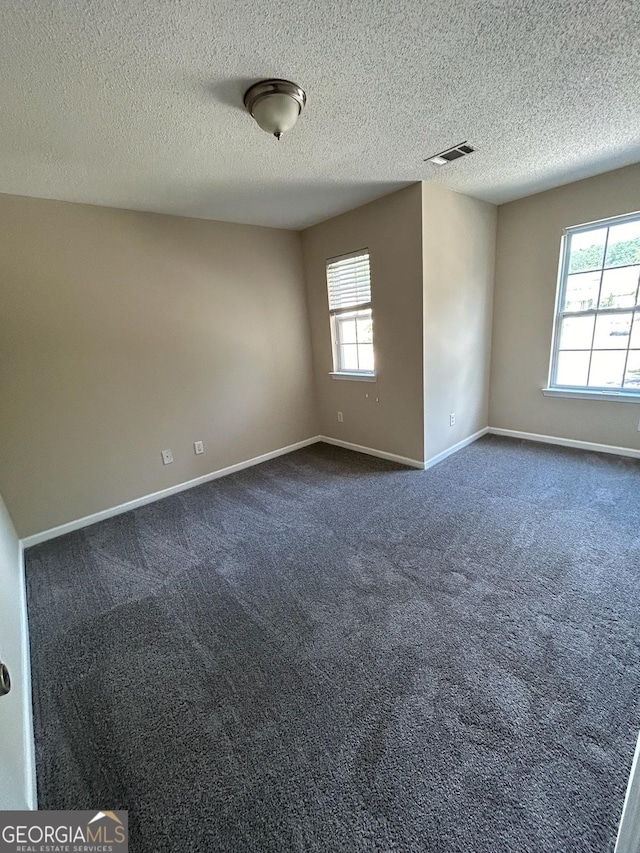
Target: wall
<point>16,754</point>
<point>459,235</point>
<point>390,229</point>
<point>528,251</point>
<point>124,333</point>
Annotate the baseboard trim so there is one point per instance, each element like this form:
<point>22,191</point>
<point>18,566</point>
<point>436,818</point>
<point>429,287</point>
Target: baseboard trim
<point>29,748</point>
<point>371,451</point>
<point>567,442</point>
<point>87,520</point>
<point>455,448</point>
<point>628,840</point>
<point>102,515</point>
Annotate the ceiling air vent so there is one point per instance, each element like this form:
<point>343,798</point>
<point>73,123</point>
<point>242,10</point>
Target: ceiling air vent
<point>460,150</point>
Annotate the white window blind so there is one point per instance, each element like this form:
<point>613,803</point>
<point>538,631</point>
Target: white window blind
<point>349,281</point>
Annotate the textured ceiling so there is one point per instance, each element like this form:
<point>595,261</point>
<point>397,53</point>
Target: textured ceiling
<point>139,104</point>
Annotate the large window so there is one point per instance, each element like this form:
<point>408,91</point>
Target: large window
<point>597,331</point>
<point>349,288</point>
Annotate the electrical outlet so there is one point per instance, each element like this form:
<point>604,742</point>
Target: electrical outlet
<point>167,457</point>
<point>452,419</point>
<point>198,447</point>
<point>340,418</point>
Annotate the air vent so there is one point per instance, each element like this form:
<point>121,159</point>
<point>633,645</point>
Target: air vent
<point>444,157</point>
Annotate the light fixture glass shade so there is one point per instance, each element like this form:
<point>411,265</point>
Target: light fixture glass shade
<point>276,113</point>
<point>275,104</point>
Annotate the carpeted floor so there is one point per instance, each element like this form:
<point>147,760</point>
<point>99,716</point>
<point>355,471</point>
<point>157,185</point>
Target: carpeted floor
<point>330,653</point>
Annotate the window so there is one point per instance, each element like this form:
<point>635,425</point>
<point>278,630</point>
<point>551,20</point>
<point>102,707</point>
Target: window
<point>349,287</point>
<point>597,329</point>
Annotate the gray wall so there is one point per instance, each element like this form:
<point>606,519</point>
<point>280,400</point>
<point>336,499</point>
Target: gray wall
<point>528,250</point>
<point>391,229</point>
<point>124,333</point>
<point>459,237</point>
<point>16,752</point>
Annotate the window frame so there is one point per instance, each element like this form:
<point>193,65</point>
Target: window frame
<point>338,371</point>
<point>629,394</point>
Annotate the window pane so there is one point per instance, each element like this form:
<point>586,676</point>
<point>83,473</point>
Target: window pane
<point>632,376</point>
<point>598,340</point>
<point>573,368</point>
<point>346,330</point>
<point>587,249</point>
<point>634,342</point>
<point>619,287</point>
<point>365,329</point>
<point>365,357</point>
<point>612,331</point>
<point>606,369</point>
<point>581,293</point>
<point>576,332</point>
<point>624,244</point>
<point>348,357</point>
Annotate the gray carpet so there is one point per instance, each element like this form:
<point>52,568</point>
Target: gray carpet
<point>329,652</point>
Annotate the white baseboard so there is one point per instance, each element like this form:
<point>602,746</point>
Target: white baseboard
<point>455,447</point>
<point>370,451</point>
<point>628,840</point>
<point>567,442</point>
<point>87,520</point>
<point>29,749</point>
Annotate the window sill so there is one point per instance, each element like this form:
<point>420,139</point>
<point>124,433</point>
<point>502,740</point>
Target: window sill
<point>358,377</point>
<point>611,396</point>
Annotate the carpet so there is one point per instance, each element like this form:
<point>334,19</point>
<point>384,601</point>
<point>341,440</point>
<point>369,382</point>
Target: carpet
<point>330,652</point>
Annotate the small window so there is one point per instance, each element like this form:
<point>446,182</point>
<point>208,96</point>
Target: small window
<point>349,287</point>
<point>596,342</point>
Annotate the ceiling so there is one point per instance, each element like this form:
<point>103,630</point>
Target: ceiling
<point>138,104</point>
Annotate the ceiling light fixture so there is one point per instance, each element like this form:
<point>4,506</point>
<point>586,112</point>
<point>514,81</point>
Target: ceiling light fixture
<point>275,104</point>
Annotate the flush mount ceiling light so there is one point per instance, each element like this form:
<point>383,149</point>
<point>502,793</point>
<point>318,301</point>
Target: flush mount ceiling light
<point>275,104</point>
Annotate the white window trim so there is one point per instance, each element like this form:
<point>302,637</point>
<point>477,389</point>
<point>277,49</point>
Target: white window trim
<point>352,375</point>
<point>335,335</point>
<point>583,392</point>
<point>586,394</point>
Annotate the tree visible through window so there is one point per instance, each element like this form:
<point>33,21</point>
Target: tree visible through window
<point>349,289</point>
<point>597,329</point>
